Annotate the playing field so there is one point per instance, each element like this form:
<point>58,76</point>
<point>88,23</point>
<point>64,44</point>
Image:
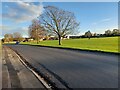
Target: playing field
<point>109,44</point>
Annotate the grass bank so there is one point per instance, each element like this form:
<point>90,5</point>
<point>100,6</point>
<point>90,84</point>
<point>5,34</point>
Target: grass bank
<point>108,44</point>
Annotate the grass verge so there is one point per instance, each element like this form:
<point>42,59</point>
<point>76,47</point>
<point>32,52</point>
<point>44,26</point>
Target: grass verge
<point>107,44</point>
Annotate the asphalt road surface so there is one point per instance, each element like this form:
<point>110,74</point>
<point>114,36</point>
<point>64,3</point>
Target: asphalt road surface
<point>15,74</point>
<point>78,69</point>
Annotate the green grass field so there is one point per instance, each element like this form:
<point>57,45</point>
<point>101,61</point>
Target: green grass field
<point>108,44</point>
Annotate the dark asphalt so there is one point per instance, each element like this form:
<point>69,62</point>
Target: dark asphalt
<point>15,74</point>
<point>78,69</point>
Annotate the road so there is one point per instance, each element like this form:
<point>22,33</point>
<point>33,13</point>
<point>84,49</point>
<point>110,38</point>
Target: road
<point>78,69</point>
<point>15,74</point>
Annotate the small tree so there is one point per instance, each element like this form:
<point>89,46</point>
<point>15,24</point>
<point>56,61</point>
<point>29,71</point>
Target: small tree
<point>17,36</point>
<point>58,21</point>
<point>8,37</point>
<point>116,32</point>
<point>88,34</point>
<point>108,33</point>
<point>36,31</point>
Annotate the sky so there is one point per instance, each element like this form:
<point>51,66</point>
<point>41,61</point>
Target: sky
<point>94,16</point>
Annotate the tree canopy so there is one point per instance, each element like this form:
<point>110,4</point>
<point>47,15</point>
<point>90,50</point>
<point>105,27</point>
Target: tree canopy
<point>58,21</point>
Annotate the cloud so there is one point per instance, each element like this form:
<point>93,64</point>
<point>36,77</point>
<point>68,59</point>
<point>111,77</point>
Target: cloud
<point>22,11</point>
<point>16,15</point>
<point>11,30</point>
<point>102,21</point>
<point>5,27</point>
<point>105,20</point>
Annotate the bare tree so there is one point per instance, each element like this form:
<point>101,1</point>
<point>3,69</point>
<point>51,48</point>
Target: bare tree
<point>108,33</point>
<point>116,32</point>
<point>8,37</point>
<point>17,36</point>
<point>36,31</point>
<point>58,21</point>
<point>88,34</point>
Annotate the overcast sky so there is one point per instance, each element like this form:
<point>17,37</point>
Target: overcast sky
<point>96,17</point>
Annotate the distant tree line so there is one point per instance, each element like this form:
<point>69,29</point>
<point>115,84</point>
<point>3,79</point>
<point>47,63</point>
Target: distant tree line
<point>38,32</point>
<point>107,33</point>
<point>89,34</point>
<point>115,32</point>
<point>12,37</point>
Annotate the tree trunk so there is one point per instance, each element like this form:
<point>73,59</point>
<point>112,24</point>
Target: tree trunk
<point>37,40</point>
<point>37,35</point>
<point>59,37</point>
